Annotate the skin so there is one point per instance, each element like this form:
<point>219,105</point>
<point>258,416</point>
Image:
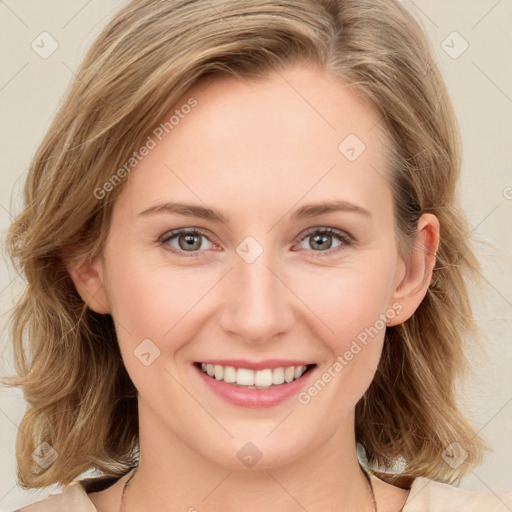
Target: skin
<point>256,152</point>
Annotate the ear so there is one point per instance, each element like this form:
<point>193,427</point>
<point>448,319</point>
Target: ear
<point>418,269</point>
<point>88,279</point>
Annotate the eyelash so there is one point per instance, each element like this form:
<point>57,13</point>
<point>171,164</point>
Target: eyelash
<point>345,238</point>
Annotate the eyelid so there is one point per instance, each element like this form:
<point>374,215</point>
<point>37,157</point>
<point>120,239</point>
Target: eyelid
<point>173,233</point>
<point>344,235</point>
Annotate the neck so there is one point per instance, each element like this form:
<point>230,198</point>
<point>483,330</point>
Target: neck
<point>172,476</point>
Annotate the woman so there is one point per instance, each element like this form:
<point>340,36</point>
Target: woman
<point>245,259</point>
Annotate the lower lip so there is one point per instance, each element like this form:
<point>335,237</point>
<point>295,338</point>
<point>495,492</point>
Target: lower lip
<point>255,398</point>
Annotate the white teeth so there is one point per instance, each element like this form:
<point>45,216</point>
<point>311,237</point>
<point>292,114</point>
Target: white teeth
<point>245,377</point>
<point>219,372</point>
<point>260,379</point>
<point>229,374</point>
<point>263,378</point>
<point>289,374</point>
<point>278,376</point>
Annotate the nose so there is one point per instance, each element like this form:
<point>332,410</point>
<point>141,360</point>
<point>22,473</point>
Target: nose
<point>257,304</point>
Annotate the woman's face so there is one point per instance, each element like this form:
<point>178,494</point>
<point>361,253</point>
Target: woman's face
<point>265,287</point>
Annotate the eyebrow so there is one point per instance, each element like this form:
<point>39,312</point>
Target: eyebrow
<point>203,212</point>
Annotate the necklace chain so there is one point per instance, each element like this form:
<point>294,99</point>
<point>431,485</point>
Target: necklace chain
<point>370,488</point>
<point>121,509</point>
<point>366,474</point>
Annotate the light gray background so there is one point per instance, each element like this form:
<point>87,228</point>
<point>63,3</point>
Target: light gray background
<point>480,83</point>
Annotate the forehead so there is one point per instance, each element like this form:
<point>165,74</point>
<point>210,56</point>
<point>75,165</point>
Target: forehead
<point>300,133</point>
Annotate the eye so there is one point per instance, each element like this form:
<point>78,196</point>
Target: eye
<point>187,240</point>
<point>190,240</point>
<point>322,241</point>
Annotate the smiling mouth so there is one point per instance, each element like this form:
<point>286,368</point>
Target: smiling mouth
<point>254,379</point>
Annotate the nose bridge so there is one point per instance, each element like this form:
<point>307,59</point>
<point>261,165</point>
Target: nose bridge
<point>257,306</point>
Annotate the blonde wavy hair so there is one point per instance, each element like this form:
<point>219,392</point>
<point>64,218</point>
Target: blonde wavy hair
<point>80,398</point>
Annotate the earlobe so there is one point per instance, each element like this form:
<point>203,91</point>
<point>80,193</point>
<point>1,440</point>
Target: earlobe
<point>88,279</point>
<point>418,270</point>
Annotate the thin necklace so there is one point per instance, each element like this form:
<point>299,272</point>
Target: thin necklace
<point>124,490</point>
<point>370,488</point>
<point>366,474</point>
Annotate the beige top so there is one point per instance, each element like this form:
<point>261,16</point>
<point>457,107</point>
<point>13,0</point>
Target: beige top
<point>425,496</point>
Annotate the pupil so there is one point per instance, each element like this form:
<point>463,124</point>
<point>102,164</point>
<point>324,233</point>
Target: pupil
<point>321,237</point>
<point>189,241</point>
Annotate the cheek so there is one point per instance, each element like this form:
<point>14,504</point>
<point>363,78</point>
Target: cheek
<point>147,300</point>
<point>352,313</point>
<point>351,309</point>
<point>154,317</point>
<point>349,301</point>
<point>156,301</point>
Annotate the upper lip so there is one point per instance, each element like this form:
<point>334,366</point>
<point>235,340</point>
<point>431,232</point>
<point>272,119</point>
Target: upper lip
<point>256,365</point>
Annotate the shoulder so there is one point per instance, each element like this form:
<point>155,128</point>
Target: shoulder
<point>73,497</point>
<point>430,496</point>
